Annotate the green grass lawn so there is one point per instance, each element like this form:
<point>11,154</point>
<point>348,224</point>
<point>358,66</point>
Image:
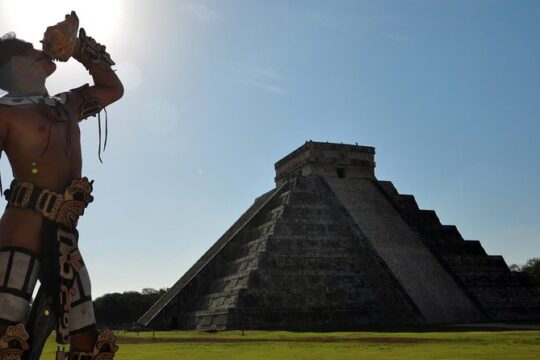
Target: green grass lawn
<point>266,345</point>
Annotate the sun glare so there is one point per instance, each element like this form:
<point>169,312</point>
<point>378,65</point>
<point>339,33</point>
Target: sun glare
<point>29,19</point>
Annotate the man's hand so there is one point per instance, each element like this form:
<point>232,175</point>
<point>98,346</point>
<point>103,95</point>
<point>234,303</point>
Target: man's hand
<point>88,49</point>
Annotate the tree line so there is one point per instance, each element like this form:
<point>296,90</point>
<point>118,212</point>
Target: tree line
<point>531,270</point>
<point>122,310</point>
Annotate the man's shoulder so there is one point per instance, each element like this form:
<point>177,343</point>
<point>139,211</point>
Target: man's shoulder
<point>6,114</point>
<point>62,97</point>
<point>69,100</point>
<point>5,109</point>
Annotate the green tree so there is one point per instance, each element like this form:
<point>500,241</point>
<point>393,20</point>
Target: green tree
<point>532,270</point>
<point>515,268</point>
<point>124,309</point>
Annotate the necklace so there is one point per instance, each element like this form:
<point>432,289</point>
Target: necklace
<point>33,100</point>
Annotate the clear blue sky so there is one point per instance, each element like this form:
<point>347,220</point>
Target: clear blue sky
<point>217,91</point>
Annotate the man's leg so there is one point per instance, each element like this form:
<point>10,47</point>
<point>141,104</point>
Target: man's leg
<point>19,269</point>
<point>82,322</point>
<point>84,337</point>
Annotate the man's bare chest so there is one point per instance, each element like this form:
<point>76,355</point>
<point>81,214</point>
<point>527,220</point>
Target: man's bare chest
<point>41,130</point>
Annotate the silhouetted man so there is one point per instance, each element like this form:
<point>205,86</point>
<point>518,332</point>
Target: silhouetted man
<point>38,238</point>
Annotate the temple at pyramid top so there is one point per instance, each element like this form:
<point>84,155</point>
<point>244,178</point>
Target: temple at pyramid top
<point>327,159</point>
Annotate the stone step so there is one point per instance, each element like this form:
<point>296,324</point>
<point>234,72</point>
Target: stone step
<point>254,246</point>
<point>312,213</point>
<point>271,214</point>
<point>256,231</point>
<point>294,228</point>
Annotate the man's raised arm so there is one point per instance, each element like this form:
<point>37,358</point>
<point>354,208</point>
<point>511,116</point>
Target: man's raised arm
<point>107,87</point>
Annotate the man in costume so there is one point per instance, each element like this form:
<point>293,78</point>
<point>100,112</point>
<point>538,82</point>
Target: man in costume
<point>38,236</point>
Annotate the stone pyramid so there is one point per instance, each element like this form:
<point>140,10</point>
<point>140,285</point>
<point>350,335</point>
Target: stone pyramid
<point>332,247</point>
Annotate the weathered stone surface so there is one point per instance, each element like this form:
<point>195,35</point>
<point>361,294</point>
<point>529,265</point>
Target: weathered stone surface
<point>429,285</point>
<point>334,248</point>
<point>500,294</point>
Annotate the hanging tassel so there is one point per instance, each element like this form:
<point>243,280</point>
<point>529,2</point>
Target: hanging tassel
<point>48,141</point>
<point>99,130</point>
<point>1,188</point>
<point>106,128</point>
<point>106,132</point>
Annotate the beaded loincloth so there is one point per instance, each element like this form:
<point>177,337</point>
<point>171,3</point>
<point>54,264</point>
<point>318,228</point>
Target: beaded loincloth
<point>62,260</point>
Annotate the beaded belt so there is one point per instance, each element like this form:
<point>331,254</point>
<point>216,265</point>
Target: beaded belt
<point>63,208</point>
